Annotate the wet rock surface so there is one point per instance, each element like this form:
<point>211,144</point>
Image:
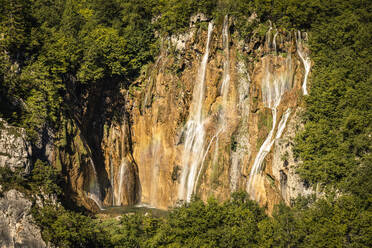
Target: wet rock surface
<point>141,156</point>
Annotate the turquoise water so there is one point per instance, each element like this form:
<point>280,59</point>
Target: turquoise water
<point>116,211</point>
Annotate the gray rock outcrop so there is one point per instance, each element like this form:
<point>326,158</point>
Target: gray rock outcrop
<point>16,225</point>
<point>15,150</point>
<point>17,228</point>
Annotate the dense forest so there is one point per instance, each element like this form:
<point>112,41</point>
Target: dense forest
<point>52,49</point>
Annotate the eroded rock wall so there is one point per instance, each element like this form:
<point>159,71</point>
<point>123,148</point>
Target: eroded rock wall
<point>246,97</point>
<point>160,106</point>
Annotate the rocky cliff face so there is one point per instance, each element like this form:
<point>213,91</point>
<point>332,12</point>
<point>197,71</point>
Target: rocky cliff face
<point>17,228</point>
<point>15,150</point>
<point>16,223</point>
<point>213,114</point>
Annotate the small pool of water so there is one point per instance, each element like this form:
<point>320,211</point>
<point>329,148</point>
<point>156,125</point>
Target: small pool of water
<point>143,209</point>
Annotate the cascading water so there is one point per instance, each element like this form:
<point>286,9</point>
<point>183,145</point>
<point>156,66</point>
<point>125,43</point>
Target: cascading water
<point>94,190</point>
<point>112,182</point>
<point>224,92</point>
<point>305,60</point>
<point>274,41</point>
<point>274,85</point>
<point>194,131</point>
<point>121,175</point>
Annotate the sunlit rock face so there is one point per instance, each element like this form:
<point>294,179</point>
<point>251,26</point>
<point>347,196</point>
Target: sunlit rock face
<point>206,118</point>
<point>277,80</point>
<point>199,123</point>
<point>15,150</point>
<point>120,165</point>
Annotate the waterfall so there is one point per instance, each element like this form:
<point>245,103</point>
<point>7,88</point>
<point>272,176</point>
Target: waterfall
<point>205,155</point>
<point>274,85</point>
<point>274,41</point>
<point>265,149</point>
<point>224,92</point>
<point>112,182</point>
<point>195,133</point>
<point>122,172</point>
<point>282,124</point>
<point>305,60</point>
<point>94,191</point>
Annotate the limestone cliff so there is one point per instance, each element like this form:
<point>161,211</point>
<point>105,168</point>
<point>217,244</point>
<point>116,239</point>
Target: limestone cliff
<point>213,114</point>
<point>16,223</point>
<point>15,150</point>
<point>17,228</point>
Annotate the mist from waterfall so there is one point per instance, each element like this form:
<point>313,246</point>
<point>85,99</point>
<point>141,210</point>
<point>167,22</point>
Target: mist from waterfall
<point>112,182</point>
<point>194,130</point>
<point>94,190</point>
<point>122,172</point>
<point>155,153</point>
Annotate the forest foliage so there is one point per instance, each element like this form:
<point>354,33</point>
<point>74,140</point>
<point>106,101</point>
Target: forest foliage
<point>238,222</point>
<point>48,49</point>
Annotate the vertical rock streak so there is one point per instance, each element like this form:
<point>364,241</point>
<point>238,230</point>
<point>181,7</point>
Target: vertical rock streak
<point>274,85</point>
<point>241,138</point>
<point>226,67</point>
<point>155,153</point>
<point>195,133</point>
<point>112,182</point>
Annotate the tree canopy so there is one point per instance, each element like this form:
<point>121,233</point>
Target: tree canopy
<point>50,49</point>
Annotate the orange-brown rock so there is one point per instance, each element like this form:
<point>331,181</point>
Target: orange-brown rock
<point>143,152</point>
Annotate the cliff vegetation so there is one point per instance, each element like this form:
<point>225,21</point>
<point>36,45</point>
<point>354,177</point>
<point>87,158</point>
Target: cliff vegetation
<point>54,55</point>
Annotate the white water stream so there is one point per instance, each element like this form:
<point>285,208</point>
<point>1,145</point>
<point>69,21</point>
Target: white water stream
<point>274,85</point>
<point>274,41</point>
<point>122,172</point>
<point>195,133</point>
<point>94,191</point>
<point>112,182</point>
<point>224,92</point>
<point>305,60</point>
